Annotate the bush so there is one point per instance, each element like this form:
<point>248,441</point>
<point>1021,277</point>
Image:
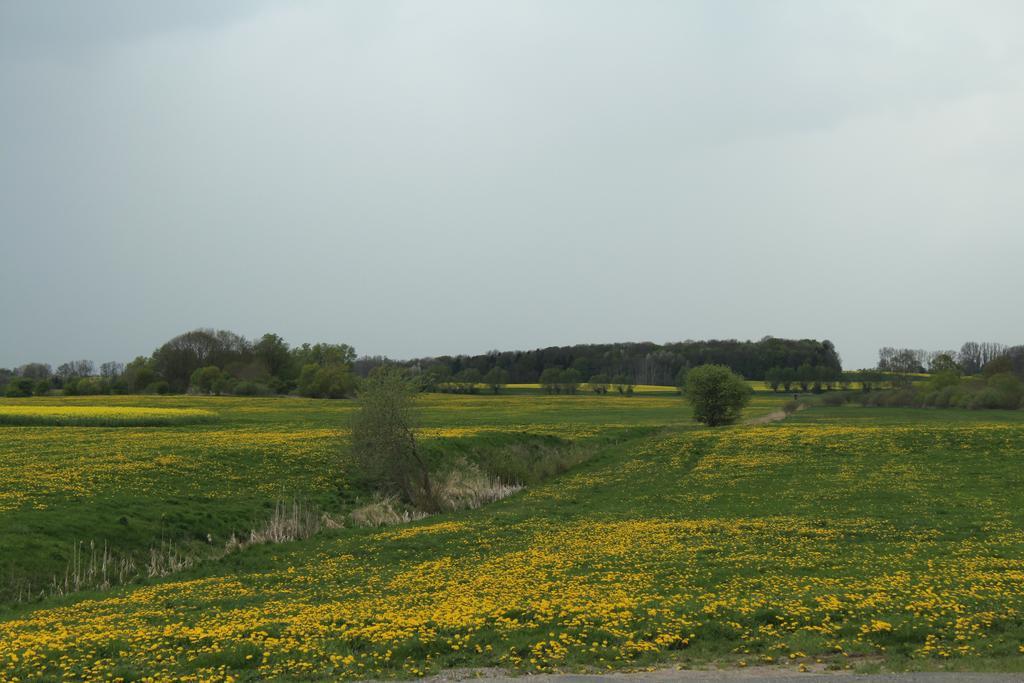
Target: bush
<point>835,398</point>
<point>204,379</point>
<point>1009,387</point>
<point>717,394</point>
<point>1003,391</point>
<point>332,381</point>
<point>252,389</point>
<point>384,440</point>
<point>158,387</point>
<point>19,388</point>
<point>42,387</point>
<point>92,386</point>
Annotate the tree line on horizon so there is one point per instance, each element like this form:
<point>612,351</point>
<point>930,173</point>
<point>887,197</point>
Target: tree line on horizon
<point>971,359</point>
<point>983,375</point>
<point>202,361</point>
<point>222,362</point>
<point>638,363</point>
<point>210,361</point>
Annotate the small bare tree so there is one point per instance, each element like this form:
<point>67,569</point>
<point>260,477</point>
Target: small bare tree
<point>384,438</point>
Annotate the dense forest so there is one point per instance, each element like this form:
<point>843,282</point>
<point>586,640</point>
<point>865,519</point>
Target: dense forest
<point>645,362</point>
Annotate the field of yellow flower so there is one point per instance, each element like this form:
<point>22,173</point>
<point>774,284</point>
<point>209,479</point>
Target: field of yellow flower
<point>100,416</point>
<point>838,533</point>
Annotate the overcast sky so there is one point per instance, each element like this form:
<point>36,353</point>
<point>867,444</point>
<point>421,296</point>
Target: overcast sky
<point>419,178</point>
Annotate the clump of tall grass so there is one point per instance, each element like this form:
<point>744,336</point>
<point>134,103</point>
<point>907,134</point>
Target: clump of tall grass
<point>293,522</point>
<point>92,568</point>
<point>384,511</point>
<point>464,487</point>
<point>468,488</point>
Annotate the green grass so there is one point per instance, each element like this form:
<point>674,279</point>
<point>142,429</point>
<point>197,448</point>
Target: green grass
<point>893,537</point>
<point>192,481</point>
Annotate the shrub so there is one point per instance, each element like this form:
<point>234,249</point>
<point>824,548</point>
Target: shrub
<point>158,387</point>
<point>496,379</point>
<point>717,394</point>
<point>1009,387</point>
<point>252,389</point>
<point>384,440</point>
<point>836,398</point>
<point>91,386</point>
<point>204,379</point>
<point>550,380</point>
<point>42,387</point>
<point>19,388</point>
<point>332,381</point>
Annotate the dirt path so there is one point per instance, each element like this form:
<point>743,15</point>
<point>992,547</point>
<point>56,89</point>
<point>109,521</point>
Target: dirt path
<point>774,417</point>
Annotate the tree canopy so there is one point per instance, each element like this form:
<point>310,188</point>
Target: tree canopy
<point>717,394</point>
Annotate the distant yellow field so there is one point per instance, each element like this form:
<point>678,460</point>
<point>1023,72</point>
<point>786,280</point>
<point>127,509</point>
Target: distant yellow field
<point>639,388</point>
<point>99,415</point>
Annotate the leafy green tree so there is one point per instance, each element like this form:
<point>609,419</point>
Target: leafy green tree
<point>550,380</point>
<point>717,394</point>
<point>203,379</point>
<point>805,376</point>
<point>179,357</point>
<point>786,378</point>
<point>944,379</point>
<point>569,381</point>
<point>35,371</point>
<point>681,377</point>
<point>19,387</point>
<point>496,378</point>
<point>823,377</point>
<point>621,383</point>
<point>773,378</point>
<point>384,438</point>
<point>274,353</point>
<point>324,354</point>
<point>943,363</point>
<point>223,385</point>
<point>42,387</point>
<point>333,381</point>
<point>435,377</point>
<point>997,366</point>
<point>307,380</point>
<point>138,374</point>
<point>91,386</point>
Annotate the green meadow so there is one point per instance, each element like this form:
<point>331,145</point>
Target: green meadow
<point>839,537</point>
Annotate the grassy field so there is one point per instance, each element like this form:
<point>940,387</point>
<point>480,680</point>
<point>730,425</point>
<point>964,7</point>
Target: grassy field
<point>847,534</point>
<point>211,467</point>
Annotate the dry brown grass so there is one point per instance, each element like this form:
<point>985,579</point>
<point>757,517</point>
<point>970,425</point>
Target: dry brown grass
<point>384,511</point>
